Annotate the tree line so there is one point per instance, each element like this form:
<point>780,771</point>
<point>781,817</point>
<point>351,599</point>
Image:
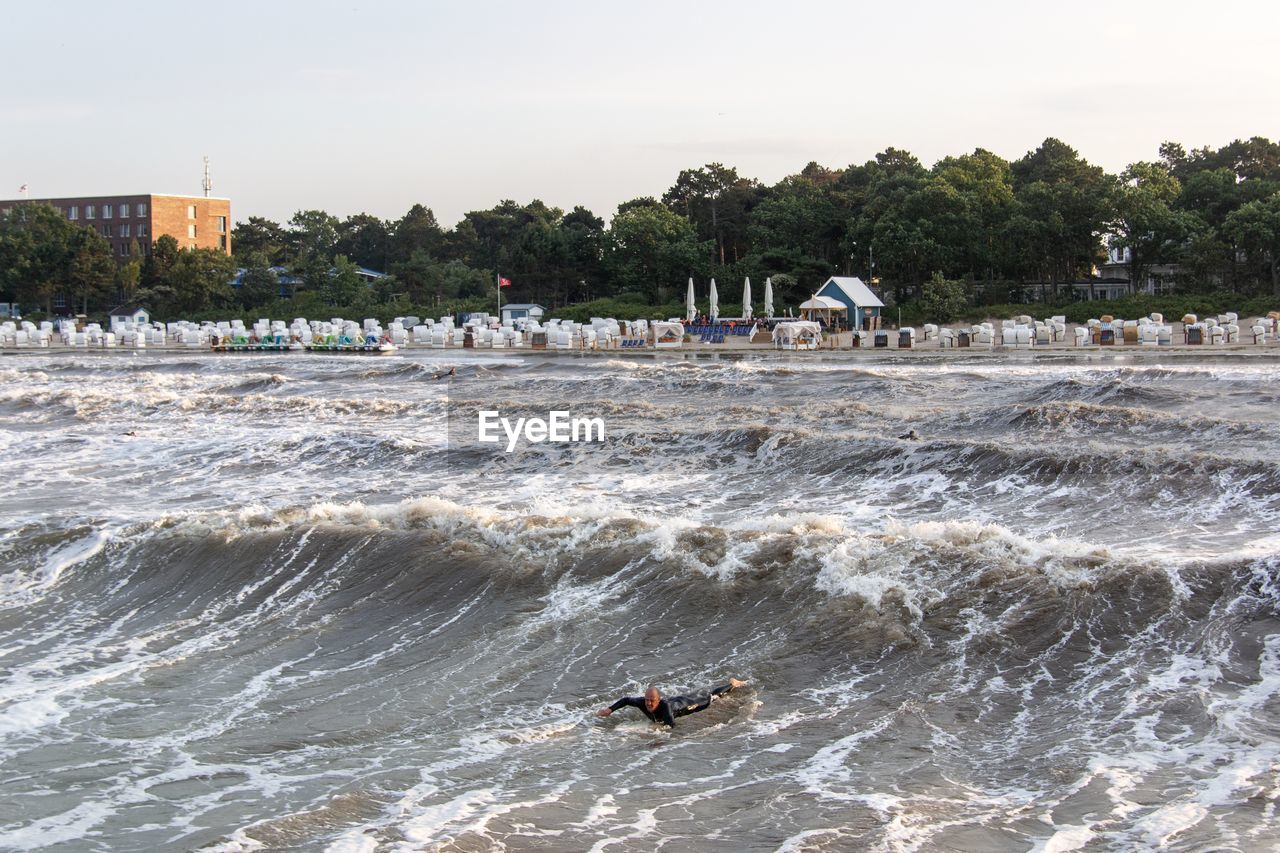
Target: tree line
<point>985,226</point>
<point>992,224</point>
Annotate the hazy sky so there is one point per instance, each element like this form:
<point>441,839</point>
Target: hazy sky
<point>364,106</point>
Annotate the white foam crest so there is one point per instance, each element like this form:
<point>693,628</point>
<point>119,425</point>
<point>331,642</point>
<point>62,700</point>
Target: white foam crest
<point>468,812</point>
<point>66,827</point>
<point>827,765</point>
<point>238,842</point>
<point>569,599</point>
<point>353,841</point>
<point>1065,839</point>
<point>18,582</point>
<point>1068,561</point>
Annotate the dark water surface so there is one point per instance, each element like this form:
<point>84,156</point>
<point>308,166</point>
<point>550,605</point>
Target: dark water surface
<point>297,609</point>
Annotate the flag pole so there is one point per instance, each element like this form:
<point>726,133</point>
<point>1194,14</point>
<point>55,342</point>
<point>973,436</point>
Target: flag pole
<point>499,283</point>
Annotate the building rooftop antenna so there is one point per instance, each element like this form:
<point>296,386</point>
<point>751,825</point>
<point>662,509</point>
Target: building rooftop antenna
<point>208,181</point>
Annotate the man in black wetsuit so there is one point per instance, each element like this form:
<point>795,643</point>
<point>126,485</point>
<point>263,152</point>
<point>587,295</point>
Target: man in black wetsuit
<point>660,710</point>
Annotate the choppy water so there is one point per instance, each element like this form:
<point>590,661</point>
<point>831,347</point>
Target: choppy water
<point>284,613</point>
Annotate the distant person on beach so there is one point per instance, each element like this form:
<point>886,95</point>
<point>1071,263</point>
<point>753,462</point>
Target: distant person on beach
<point>665,711</point>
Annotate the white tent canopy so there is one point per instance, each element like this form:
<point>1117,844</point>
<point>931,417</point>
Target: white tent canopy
<point>822,303</point>
<point>690,308</point>
<point>715,301</point>
<point>746,298</point>
<point>768,297</point>
<point>797,334</point>
<point>667,334</point>
<point>821,306</point>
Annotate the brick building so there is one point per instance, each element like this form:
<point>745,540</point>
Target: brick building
<point>194,221</point>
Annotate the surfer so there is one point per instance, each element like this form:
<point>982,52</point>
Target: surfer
<point>665,711</point>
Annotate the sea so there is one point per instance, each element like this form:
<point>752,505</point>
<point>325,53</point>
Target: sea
<point>290,602</point>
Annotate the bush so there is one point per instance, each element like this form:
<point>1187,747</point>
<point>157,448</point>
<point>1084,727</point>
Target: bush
<point>942,299</point>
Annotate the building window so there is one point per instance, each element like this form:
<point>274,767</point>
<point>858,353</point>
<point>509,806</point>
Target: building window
<point>222,242</point>
<point>191,230</point>
<point>90,212</point>
<point>73,212</point>
<point>142,229</point>
<point>191,211</point>
<point>125,229</point>
<point>141,209</point>
<point>107,211</point>
<point>222,225</point>
<point>124,250</point>
<point>108,230</point>
<point>59,301</point>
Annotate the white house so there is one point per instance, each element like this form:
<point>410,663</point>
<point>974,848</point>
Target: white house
<point>135,314</point>
<point>521,311</point>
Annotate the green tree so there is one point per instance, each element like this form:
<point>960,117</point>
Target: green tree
<point>36,246</point>
<point>159,264</point>
<point>421,277</point>
<point>463,282</point>
<point>1063,205</point>
<point>200,280</point>
<point>258,236</point>
<point>718,202</point>
<point>417,231</point>
<point>890,222</point>
<point>1256,228</point>
<point>1147,222</point>
<point>343,286</point>
<point>982,183</point>
<point>313,236</point>
<point>632,204</point>
<point>653,251</point>
<point>583,245</point>
<point>91,272</point>
<point>129,275</point>
<point>259,285</point>
<point>798,227</point>
<point>366,240</point>
<point>942,299</point>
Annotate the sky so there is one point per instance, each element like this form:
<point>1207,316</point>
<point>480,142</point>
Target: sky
<point>375,106</point>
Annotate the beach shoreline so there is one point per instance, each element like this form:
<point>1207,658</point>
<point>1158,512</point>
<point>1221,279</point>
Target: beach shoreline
<point>926,351</point>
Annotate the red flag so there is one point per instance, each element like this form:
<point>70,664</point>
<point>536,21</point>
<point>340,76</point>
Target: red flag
<point>504,282</point>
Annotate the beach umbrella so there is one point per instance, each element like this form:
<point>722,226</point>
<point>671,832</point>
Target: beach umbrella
<point>768,297</point>
<point>690,309</point>
<point>715,302</point>
<point>746,298</point>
